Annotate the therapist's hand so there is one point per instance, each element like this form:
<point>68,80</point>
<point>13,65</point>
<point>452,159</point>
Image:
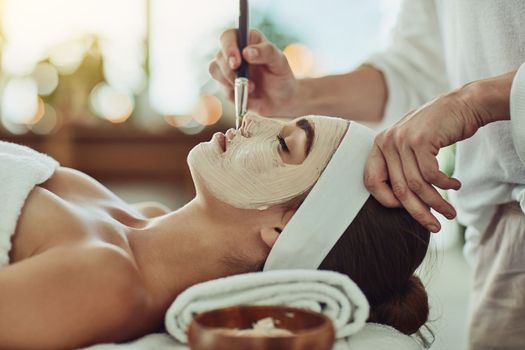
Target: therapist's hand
<point>402,167</point>
<point>273,89</point>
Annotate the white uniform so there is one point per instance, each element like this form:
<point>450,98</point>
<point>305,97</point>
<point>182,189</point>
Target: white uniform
<point>439,45</point>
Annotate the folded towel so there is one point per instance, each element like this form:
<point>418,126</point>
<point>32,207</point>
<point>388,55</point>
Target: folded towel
<point>21,168</point>
<point>328,292</point>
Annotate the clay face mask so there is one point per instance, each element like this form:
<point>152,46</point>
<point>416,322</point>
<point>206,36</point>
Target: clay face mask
<point>250,174</point>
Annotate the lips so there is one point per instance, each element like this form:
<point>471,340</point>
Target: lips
<point>221,140</point>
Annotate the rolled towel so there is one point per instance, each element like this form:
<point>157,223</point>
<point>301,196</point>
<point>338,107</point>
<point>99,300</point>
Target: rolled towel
<point>331,293</point>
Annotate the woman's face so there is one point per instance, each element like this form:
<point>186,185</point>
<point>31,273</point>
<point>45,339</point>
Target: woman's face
<point>267,161</point>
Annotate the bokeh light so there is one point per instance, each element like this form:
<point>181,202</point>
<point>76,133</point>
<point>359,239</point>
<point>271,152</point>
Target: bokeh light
<point>110,104</point>
<point>178,121</point>
<point>207,110</point>
<point>68,56</point>
<point>125,76</point>
<point>14,128</point>
<point>176,77</point>
<point>123,66</point>
<point>40,109</point>
<point>300,58</point>
<point>192,128</point>
<point>46,77</point>
<point>20,100</point>
<point>18,61</point>
<point>48,123</point>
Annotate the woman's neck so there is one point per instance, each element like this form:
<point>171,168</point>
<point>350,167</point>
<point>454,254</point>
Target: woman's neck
<point>192,245</point>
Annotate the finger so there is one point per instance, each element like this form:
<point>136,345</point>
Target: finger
<point>376,177</point>
<point>226,71</point>
<point>260,106</point>
<point>413,205</point>
<point>429,168</point>
<point>426,192</point>
<point>228,92</point>
<point>217,74</point>
<point>229,48</point>
<point>268,54</point>
<point>255,37</point>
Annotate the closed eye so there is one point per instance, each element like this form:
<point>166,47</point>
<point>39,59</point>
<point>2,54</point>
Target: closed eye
<point>283,143</point>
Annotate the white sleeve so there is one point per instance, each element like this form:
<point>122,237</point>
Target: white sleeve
<point>517,112</point>
<point>413,65</point>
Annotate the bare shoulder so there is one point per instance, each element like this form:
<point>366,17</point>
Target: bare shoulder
<point>114,278</point>
<point>107,261</point>
<point>119,285</point>
<point>93,293</point>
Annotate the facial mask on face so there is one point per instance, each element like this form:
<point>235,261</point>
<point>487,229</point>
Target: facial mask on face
<point>251,173</point>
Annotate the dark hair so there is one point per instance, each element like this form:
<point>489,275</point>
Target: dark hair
<point>380,251</point>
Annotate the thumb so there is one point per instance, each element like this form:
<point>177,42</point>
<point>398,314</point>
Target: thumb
<point>268,54</point>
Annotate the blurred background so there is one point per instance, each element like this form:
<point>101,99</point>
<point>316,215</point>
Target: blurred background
<point>120,89</point>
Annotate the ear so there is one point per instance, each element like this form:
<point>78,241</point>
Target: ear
<point>269,235</point>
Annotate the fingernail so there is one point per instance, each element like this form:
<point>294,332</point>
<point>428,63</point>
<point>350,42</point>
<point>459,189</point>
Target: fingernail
<point>450,215</point>
<point>251,53</point>
<point>432,228</point>
<point>231,62</point>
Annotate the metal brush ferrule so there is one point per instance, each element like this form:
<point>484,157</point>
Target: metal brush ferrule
<point>241,100</point>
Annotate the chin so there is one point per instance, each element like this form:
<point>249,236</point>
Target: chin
<point>196,171</point>
<point>202,191</point>
<point>195,154</point>
<point>191,160</point>
<point>192,154</point>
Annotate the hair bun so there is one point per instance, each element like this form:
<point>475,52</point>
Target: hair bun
<point>407,312</point>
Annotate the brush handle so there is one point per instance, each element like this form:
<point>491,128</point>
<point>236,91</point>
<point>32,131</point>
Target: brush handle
<point>242,37</point>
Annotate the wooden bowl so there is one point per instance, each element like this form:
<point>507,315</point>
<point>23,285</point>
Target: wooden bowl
<point>212,330</point>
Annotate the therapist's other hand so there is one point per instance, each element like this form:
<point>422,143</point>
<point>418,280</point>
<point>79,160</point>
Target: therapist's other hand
<point>402,168</point>
<point>272,85</point>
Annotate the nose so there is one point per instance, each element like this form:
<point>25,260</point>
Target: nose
<point>249,121</point>
<point>230,134</point>
<point>246,121</point>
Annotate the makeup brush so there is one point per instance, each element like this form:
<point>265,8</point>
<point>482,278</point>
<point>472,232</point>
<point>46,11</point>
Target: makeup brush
<point>241,80</point>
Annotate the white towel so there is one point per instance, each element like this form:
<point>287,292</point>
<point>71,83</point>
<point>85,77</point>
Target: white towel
<point>21,168</point>
<point>328,292</point>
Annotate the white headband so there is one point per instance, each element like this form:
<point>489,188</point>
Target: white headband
<point>330,207</point>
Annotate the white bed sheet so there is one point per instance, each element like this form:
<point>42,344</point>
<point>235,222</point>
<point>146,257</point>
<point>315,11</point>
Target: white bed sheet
<point>372,336</point>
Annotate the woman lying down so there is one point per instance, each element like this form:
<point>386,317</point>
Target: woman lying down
<point>80,266</point>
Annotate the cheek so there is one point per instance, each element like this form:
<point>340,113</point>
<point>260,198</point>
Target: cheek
<point>247,160</point>
<point>254,157</point>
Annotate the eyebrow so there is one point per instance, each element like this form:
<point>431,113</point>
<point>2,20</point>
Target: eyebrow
<point>309,130</point>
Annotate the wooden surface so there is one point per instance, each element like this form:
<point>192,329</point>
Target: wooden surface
<point>117,153</point>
